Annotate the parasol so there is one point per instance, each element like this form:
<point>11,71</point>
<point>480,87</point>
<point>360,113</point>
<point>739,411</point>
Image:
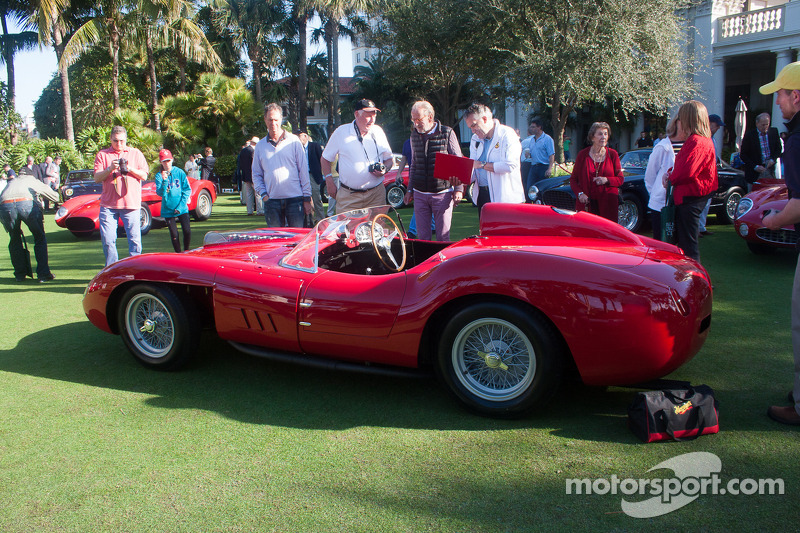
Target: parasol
<point>740,122</point>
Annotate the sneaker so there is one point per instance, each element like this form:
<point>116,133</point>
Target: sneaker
<point>20,279</point>
<point>47,278</point>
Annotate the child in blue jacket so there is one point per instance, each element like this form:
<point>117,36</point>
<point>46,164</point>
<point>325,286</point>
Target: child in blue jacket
<point>174,189</point>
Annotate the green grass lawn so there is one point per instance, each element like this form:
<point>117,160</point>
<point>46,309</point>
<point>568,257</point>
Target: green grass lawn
<point>92,441</point>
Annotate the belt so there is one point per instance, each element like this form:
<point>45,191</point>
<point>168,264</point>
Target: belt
<point>14,200</point>
<point>359,190</point>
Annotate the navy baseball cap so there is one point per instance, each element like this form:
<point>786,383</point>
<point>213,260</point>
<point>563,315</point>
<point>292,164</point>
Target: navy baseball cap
<point>716,120</point>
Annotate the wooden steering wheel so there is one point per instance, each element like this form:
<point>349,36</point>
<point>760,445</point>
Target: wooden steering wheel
<point>383,242</point>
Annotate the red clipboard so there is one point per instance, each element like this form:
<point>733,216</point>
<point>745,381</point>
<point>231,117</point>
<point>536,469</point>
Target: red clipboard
<point>447,166</point>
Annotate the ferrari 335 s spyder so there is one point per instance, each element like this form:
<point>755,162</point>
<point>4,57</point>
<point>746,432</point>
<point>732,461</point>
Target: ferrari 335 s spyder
<point>500,317</point>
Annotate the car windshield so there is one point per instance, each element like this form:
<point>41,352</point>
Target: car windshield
<point>635,159</point>
<point>352,228</point>
<point>84,175</point>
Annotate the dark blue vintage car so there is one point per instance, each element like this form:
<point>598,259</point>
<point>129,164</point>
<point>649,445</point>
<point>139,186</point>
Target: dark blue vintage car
<point>78,183</point>
<point>633,211</point>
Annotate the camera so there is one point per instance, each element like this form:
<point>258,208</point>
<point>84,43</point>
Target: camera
<point>377,167</point>
<point>123,165</point>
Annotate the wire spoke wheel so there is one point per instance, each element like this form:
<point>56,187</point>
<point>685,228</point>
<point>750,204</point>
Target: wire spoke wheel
<point>494,359</point>
<point>149,325</point>
<point>159,328</point>
<point>500,359</point>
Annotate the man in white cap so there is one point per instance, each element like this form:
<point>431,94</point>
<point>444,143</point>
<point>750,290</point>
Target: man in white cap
<point>787,87</point>
<point>364,157</point>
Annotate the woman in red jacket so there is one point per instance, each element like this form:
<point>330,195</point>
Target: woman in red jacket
<point>694,177</point>
<point>597,175</point>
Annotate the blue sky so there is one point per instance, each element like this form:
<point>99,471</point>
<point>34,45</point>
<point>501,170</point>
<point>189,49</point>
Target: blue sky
<point>33,70</point>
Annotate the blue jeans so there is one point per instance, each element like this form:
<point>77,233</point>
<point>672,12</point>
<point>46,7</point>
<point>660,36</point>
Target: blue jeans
<point>280,212</point>
<point>109,222</point>
<point>12,215</point>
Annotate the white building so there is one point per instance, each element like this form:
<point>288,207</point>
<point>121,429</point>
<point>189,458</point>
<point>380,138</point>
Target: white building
<point>742,45</point>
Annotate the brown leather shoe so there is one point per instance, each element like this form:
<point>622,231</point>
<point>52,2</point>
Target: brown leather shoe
<point>784,415</point>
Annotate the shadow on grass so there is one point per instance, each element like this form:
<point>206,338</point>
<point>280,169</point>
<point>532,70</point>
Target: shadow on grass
<point>58,286</point>
<point>253,390</point>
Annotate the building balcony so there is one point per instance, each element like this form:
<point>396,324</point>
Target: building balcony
<point>752,24</point>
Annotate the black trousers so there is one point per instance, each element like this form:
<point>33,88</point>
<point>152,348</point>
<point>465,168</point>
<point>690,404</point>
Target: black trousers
<point>173,231</point>
<point>687,224</point>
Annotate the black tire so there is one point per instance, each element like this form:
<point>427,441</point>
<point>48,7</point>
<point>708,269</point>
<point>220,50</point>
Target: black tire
<point>727,212</point>
<point>204,206</point>
<point>631,212</point>
<point>147,219</point>
<point>469,364</point>
<point>395,196</point>
<point>760,249</point>
<point>159,329</point>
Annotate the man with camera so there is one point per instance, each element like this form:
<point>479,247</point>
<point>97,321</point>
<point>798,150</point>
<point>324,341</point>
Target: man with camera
<point>364,157</point>
<point>121,169</point>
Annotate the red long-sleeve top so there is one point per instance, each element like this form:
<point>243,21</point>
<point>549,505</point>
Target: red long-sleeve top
<point>695,170</point>
<point>585,170</point>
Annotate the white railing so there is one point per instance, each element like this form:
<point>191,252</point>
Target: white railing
<point>751,22</point>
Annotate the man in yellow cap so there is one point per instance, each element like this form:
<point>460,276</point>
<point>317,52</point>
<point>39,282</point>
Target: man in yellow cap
<point>787,87</point>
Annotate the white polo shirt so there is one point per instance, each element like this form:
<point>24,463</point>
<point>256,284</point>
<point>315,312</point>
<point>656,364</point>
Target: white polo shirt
<point>356,155</point>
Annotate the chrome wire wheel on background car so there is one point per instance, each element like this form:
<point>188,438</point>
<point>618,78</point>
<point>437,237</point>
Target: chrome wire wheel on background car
<point>158,328</point>
<point>630,213</point>
<point>204,206</point>
<point>731,207</point>
<point>499,359</point>
<point>395,196</point>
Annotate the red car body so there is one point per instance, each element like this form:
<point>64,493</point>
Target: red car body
<point>499,317</point>
<point>81,214</point>
<point>767,195</point>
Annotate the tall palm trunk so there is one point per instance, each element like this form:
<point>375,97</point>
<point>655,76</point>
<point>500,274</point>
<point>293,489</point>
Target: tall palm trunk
<point>115,67</point>
<point>337,117</point>
<point>8,57</point>
<point>302,77</point>
<point>151,74</point>
<point>332,26</point>
<point>257,79</point>
<point>182,70</point>
<point>63,73</point>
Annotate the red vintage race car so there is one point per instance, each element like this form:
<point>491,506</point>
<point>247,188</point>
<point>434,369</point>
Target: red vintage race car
<point>500,317</point>
<point>767,195</point>
<point>81,214</point>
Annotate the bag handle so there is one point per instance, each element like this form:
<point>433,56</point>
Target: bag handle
<point>699,422</point>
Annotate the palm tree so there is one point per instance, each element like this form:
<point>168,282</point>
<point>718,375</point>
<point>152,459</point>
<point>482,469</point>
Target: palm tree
<point>113,20</point>
<point>251,23</point>
<point>165,23</point>
<point>332,13</point>
<point>55,18</point>
<point>219,112</point>
<point>12,43</point>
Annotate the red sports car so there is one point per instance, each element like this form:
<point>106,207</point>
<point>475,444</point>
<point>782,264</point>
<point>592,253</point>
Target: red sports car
<point>500,317</point>
<point>81,214</point>
<point>767,195</point>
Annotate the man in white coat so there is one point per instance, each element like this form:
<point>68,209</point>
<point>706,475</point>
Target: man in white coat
<point>496,151</point>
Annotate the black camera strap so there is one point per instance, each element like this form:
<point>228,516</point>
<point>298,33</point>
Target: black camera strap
<point>361,140</point>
